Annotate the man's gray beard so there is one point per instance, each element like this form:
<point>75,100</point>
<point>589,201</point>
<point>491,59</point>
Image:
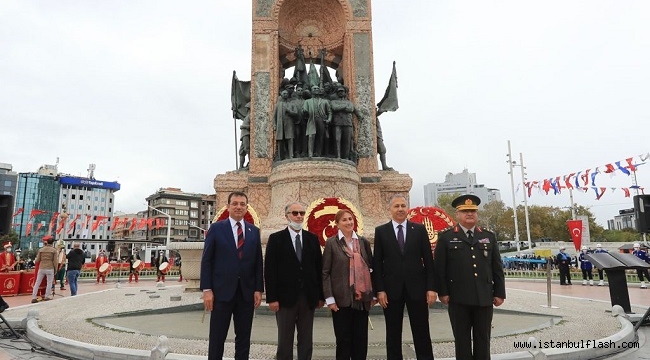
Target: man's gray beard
<point>295,226</point>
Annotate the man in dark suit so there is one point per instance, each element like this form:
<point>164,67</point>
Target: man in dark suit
<point>469,279</point>
<point>292,270</point>
<point>403,276</point>
<point>231,278</point>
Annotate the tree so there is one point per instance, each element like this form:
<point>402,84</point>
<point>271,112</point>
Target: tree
<point>12,237</point>
<point>444,202</point>
<point>494,217</point>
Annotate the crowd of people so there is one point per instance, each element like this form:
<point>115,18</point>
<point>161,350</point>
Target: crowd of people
<point>349,278</point>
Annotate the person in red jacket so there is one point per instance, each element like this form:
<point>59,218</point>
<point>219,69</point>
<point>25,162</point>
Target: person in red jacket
<point>101,259</point>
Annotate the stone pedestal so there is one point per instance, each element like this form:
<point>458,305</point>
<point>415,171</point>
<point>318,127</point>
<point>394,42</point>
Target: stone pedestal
<point>307,180</point>
<point>190,262</point>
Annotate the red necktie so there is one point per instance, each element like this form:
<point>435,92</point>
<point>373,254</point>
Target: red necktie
<point>240,240</point>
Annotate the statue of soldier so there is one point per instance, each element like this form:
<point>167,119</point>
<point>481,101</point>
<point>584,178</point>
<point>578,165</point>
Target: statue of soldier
<point>299,124</point>
<point>342,121</point>
<point>283,125</point>
<point>381,148</point>
<point>300,70</point>
<point>245,137</point>
<point>319,114</point>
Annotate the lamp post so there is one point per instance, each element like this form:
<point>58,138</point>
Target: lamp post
<point>169,223</point>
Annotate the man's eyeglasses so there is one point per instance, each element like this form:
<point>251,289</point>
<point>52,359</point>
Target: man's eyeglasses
<point>296,213</point>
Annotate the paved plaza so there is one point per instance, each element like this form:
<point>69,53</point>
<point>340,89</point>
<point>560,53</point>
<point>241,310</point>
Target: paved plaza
<point>133,315</point>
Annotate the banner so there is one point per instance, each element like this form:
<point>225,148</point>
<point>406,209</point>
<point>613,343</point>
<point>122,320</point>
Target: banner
<point>389,101</point>
<point>575,229</point>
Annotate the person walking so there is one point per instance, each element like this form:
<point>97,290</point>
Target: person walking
<point>76,259</point>
<point>48,262</point>
<point>469,279</point>
<point>293,282</point>
<point>403,276</point>
<point>347,286</point>
<point>232,278</point>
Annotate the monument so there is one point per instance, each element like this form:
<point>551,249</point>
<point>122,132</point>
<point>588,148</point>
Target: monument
<point>342,160</point>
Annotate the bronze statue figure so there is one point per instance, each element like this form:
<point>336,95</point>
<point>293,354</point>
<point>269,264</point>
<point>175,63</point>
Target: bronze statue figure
<point>299,124</point>
<point>381,148</point>
<point>245,137</point>
<point>342,121</point>
<point>318,113</point>
<point>283,126</point>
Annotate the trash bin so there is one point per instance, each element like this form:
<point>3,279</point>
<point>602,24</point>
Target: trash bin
<point>615,265</point>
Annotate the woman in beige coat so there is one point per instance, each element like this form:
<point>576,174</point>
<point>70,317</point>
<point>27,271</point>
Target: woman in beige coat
<point>347,287</point>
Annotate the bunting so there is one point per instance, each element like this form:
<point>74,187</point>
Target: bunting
<point>99,220</point>
<point>20,211</point>
<point>585,180</point>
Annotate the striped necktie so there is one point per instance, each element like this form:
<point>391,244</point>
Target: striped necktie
<point>240,240</point>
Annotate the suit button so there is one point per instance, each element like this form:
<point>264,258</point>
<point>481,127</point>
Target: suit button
<point>472,248</point>
<point>474,265</point>
<point>475,274</point>
<point>473,256</point>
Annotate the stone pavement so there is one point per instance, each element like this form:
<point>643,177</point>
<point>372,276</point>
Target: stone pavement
<point>533,295</point>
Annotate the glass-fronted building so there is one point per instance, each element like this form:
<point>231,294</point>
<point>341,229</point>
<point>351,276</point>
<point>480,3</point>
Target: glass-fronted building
<point>39,195</point>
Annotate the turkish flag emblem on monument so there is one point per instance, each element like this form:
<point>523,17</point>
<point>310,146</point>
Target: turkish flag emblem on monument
<point>575,228</point>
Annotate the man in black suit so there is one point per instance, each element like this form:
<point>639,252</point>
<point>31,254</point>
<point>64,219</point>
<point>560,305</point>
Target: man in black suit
<point>469,279</point>
<point>231,278</point>
<point>292,270</point>
<point>403,276</point>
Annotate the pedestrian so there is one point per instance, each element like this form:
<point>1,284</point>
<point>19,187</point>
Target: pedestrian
<point>347,286</point>
<point>564,263</point>
<point>231,278</point>
<point>585,267</point>
<point>469,279</point>
<point>60,273</point>
<point>601,278</point>
<point>641,254</point>
<point>47,261</point>
<point>293,282</point>
<point>403,276</point>
<point>76,259</point>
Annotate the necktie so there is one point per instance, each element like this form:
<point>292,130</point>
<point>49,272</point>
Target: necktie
<point>240,240</point>
<point>469,235</point>
<point>400,238</point>
<point>298,248</point>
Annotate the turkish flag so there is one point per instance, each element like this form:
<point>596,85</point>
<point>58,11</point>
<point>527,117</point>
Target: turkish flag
<point>575,229</point>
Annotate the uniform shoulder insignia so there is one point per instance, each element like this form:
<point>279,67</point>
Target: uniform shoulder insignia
<point>487,230</point>
<point>446,229</point>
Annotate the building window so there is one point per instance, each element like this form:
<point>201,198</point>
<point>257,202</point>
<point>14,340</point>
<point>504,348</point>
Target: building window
<point>194,204</point>
<point>81,197</point>
<point>181,202</point>
<point>73,196</point>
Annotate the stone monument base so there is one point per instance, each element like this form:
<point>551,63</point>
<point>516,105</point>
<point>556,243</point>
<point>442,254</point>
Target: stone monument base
<point>307,180</point>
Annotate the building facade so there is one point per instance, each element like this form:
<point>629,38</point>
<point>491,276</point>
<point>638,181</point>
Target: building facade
<point>460,183</point>
<point>624,220</point>
<point>180,209</point>
<point>37,199</point>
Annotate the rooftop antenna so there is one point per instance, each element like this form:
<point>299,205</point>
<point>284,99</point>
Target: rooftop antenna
<point>91,171</point>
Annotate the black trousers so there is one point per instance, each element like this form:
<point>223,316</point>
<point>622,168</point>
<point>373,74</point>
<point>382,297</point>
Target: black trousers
<point>587,274</point>
<point>241,312</point>
<point>641,272</point>
<point>299,317</point>
<point>565,274</point>
<point>351,331</point>
<point>472,328</point>
<point>419,319</point>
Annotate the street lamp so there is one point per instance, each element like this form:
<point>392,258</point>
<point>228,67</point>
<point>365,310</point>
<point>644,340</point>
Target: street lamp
<point>169,223</point>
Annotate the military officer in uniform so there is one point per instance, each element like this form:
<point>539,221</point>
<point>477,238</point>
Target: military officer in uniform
<point>469,279</point>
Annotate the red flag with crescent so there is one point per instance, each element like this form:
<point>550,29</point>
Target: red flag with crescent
<point>575,229</point>
<point>321,214</point>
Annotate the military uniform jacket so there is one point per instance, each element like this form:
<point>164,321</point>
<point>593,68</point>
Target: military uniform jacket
<point>470,272</point>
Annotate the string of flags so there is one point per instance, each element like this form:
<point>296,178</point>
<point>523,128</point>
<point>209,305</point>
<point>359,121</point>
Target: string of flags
<point>590,179</point>
<point>57,224</point>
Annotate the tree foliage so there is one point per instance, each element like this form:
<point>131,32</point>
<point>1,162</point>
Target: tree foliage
<point>12,237</point>
<point>544,221</point>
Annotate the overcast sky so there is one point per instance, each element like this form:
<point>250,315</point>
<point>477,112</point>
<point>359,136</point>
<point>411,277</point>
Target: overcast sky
<point>142,90</point>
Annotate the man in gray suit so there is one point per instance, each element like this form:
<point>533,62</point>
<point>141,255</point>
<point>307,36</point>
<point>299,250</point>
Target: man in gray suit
<point>403,276</point>
<point>292,271</point>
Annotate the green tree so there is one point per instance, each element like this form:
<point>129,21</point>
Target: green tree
<point>444,202</point>
<point>493,217</point>
<point>12,237</point>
